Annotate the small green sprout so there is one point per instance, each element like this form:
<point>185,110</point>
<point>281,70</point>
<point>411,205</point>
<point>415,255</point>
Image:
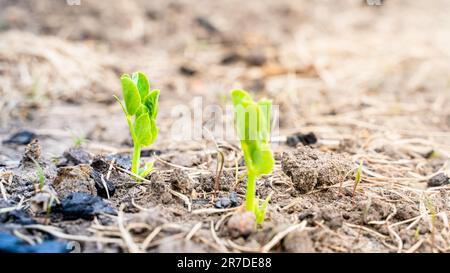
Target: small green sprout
<point>78,140</point>
<point>252,120</point>
<point>40,173</point>
<point>140,109</point>
<point>358,177</point>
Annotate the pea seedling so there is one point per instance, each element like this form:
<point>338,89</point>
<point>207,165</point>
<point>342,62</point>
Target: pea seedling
<point>252,120</point>
<point>140,109</point>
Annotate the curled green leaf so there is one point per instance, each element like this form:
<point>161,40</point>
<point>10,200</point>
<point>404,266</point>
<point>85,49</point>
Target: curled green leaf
<point>142,84</point>
<point>143,130</point>
<point>151,101</point>
<point>130,95</point>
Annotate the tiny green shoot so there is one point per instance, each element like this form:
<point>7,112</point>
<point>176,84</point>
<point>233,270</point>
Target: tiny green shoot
<point>78,140</point>
<point>358,177</point>
<point>252,120</point>
<point>40,173</point>
<point>140,109</point>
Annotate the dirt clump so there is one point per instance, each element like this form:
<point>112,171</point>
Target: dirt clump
<point>206,182</point>
<point>75,156</point>
<point>242,224</point>
<point>159,189</point>
<point>32,153</point>
<point>152,217</point>
<point>181,181</point>
<point>298,242</point>
<point>74,179</point>
<point>310,169</point>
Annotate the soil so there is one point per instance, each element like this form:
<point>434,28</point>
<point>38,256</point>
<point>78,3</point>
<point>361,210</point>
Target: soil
<point>347,90</point>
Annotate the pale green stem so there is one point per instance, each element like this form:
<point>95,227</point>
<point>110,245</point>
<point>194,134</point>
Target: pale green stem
<point>136,158</point>
<point>251,190</point>
<point>137,145</point>
<point>137,148</point>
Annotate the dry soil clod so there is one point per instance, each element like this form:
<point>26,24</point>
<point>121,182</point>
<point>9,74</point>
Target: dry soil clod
<point>74,179</point>
<point>309,168</point>
<point>32,152</point>
<point>242,224</point>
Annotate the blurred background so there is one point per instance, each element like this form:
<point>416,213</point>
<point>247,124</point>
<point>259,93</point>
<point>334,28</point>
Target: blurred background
<point>346,70</point>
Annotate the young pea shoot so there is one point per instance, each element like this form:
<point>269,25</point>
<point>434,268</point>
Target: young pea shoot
<point>252,120</point>
<point>140,109</point>
<point>358,177</point>
<point>40,173</point>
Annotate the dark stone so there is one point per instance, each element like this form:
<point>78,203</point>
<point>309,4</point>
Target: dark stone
<point>12,244</point>
<point>99,164</point>
<point>206,24</point>
<point>150,152</point>
<point>223,203</point>
<point>78,156</point>
<point>255,59</point>
<point>309,215</point>
<point>101,191</point>
<point>187,71</point>
<point>21,138</point>
<point>438,180</point>
<point>123,161</point>
<point>231,58</point>
<point>75,156</point>
<point>200,202</point>
<point>233,199</point>
<point>218,204</point>
<point>18,216</point>
<point>305,139</point>
<point>82,205</point>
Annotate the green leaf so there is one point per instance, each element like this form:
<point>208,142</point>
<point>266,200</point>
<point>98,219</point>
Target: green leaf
<point>240,97</point>
<point>264,117</point>
<point>154,131</point>
<point>253,128</point>
<point>142,128</point>
<point>144,172</point>
<point>142,110</point>
<point>142,84</point>
<point>151,101</point>
<point>258,157</point>
<point>130,95</point>
<point>261,215</point>
<point>263,161</point>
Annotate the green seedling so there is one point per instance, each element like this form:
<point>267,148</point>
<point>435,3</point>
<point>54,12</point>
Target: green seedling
<point>140,109</point>
<point>39,173</point>
<point>358,177</point>
<point>252,120</point>
<point>78,140</point>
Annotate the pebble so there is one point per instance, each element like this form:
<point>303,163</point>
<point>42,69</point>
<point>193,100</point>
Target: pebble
<point>12,244</point>
<point>20,138</point>
<point>82,205</point>
<point>438,180</point>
